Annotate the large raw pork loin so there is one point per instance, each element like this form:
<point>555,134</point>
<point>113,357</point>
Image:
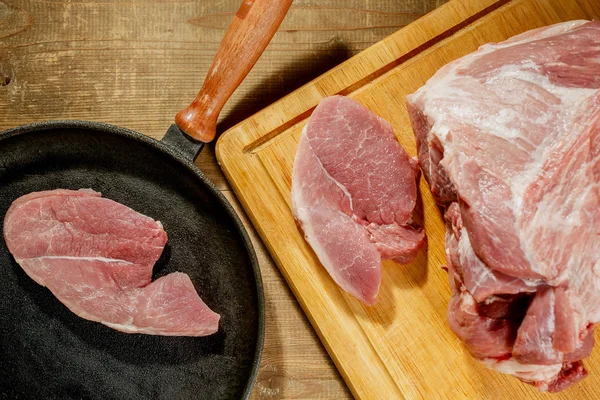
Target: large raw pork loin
<point>354,191</point>
<point>509,141</point>
<point>96,256</point>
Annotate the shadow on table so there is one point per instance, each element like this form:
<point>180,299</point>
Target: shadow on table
<point>285,81</point>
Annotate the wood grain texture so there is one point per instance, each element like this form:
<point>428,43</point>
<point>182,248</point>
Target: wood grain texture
<point>135,63</point>
<point>402,347</point>
<point>247,36</point>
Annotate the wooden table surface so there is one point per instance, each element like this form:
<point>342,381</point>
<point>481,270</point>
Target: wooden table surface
<point>136,63</point>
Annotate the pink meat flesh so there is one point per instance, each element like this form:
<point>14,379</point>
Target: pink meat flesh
<point>354,191</point>
<point>96,256</point>
<point>509,142</point>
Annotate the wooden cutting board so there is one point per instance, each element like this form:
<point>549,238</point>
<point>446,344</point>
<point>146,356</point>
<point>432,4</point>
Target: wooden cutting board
<point>402,347</point>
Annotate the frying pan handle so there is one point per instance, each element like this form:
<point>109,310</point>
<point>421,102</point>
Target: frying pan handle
<point>252,28</point>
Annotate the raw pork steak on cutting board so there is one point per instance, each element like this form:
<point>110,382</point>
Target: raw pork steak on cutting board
<point>354,191</point>
<point>509,141</point>
<point>96,256</point>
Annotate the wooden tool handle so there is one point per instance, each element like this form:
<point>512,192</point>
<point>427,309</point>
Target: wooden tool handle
<point>252,28</point>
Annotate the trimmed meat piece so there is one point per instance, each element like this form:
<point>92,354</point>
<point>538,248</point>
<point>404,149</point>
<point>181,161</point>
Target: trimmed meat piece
<point>509,142</point>
<point>354,192</point>
<point>96,256</point>
<point>546,378</point>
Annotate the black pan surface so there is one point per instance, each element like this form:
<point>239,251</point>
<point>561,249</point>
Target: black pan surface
<point>47,352</point>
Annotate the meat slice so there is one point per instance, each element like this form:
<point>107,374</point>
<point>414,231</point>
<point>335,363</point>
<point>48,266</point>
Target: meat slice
<point>354,192</point>
<point>509,142</point>
<point>96,256</point>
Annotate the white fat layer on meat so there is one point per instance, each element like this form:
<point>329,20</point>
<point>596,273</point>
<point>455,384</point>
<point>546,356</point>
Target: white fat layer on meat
<point>445,85</point>
<point>127,328</point>
<point>547,212</point>
<point>465,251</point>
<point>542,335</point>
<point>526,372</point>
<point>570,98</point>
<point>467,304</point>
<point>574,201</point>
<point>498,124</point>
<point>296,194</point>
<point>331,178</point>
<point>490,47</point>
<point>492,299</point>
<point>103,259</point>
<point>303,213</point>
